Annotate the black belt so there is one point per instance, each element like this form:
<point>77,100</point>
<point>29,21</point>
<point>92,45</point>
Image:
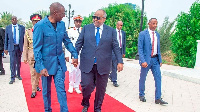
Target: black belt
<point>16,44</point>
<point>154,56</point>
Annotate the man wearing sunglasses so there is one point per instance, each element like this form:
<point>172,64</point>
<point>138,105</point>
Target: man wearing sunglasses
<point>96,42</point>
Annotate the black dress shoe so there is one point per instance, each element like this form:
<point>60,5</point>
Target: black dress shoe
<point>160,101</point>
<point>38,89</point>
<point>97,111</point>
<point>11,82</point>
<point>2,72</point>
<point>33,95</point>
<point>110,78</point>
<point>20,78</point>
<point>142,98</point>
<point>115,84</point>
<point>85,109</point>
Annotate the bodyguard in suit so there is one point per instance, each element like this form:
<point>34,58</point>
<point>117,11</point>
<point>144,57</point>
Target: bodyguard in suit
<point>150,58</point>
<point>97,41</point>
<point>48,36</point>
<point>14,41</point>
<point>121,38</point>
<point>2,37</point>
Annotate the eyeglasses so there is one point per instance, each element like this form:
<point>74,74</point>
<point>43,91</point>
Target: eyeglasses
<point>98,18</point>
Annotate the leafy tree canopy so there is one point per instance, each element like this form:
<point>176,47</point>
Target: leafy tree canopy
<point>187,31</point>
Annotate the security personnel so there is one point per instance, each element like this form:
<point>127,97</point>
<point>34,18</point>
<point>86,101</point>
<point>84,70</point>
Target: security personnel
<point>74,73</point>
<point>28,55</point>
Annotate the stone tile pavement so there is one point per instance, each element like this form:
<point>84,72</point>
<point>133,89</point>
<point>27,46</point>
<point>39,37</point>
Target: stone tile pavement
<point>12,96</point>
<point>180,88</point>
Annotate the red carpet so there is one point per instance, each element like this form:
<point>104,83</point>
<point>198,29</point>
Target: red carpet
<point>73,100</point>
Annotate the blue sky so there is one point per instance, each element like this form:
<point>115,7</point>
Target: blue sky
<point>153,8</point>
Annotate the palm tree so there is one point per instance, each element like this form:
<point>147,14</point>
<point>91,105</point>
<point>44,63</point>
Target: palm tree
<point>5,19</point>
<point>166,31</point>
<point>43,13</point>
<point>28,25</point>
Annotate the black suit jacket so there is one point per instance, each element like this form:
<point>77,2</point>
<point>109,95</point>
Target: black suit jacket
<point>123,42</point>
<point>2,37</point>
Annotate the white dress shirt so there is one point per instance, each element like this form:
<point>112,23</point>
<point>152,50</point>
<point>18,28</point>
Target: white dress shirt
<point>118,36</point>
<point>17,33</point>
<point>100,30</point>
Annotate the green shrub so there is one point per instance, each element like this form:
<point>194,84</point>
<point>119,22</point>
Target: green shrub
<point>187,31</point>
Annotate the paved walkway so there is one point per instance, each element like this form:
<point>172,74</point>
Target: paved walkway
<point>180,88</point>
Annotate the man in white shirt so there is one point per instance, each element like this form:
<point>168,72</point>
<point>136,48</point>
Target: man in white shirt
<point>75,72</point>
<point>150,58</point>
<point>121,38</point>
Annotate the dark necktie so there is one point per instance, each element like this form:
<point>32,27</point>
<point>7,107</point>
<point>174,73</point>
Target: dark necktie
<point>152,45</point>
<point>120,42</point>
<point>78,30</point>
<point>14,34</point>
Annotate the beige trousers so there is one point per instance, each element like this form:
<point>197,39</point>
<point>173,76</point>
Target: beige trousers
<point>35,77</point>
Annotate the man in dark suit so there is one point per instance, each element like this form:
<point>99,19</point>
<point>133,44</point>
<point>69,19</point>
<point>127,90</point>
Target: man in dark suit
<point>14,41</point>
<point>2,37</point>
<point>150,58</point>
<point>121,38</point>
<point>97,41</point>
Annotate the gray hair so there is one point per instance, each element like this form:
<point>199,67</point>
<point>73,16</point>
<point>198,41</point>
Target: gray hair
<point>105,15</point>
